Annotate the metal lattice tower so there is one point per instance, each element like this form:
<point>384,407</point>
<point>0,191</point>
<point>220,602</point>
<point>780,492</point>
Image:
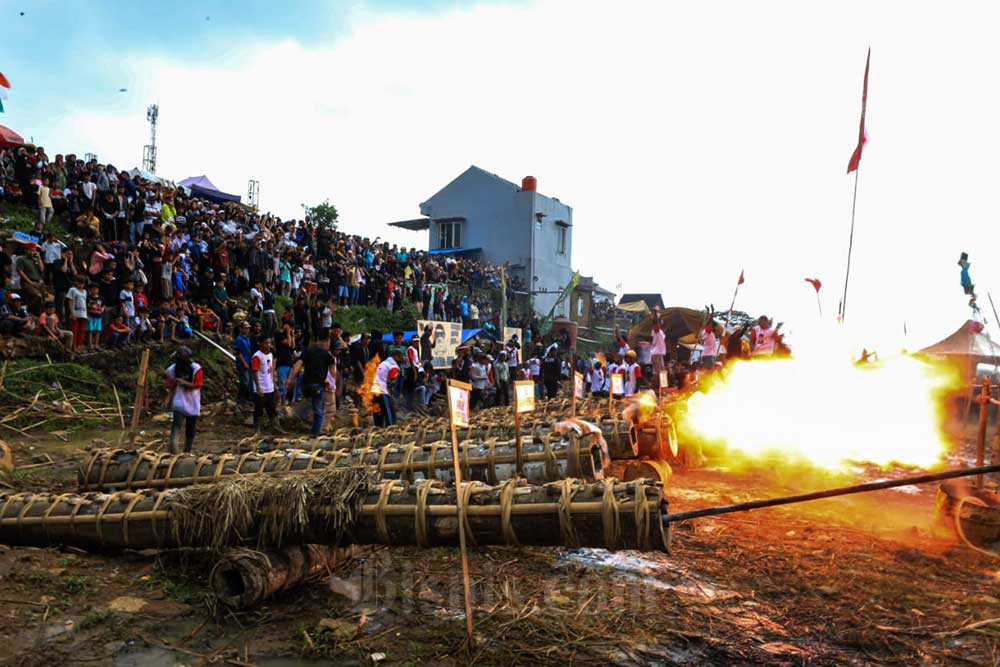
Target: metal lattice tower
<point>149,150</point>
<point>253,192</point>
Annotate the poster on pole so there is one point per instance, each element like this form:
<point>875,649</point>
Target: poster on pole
<point>445,339</point>
<point>524,392</point>
<point>458,402</point>
<point>617,384</point>
<point>664,380</point>
<point>578,384</point>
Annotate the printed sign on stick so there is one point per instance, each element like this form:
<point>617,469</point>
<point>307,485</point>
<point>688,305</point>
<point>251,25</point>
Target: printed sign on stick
<point>458,401</point>
<point>618,384</point>
<point>578,384</point>
<point>524,392</point>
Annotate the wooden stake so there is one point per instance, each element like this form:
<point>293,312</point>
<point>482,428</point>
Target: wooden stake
<point>118,402</point>
<point>460,504</point>
<point>140,391</point>
<point>984,410</point>
<point>572,377</point>
<point>518,447</point>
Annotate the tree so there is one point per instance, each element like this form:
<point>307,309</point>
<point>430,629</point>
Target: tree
<point>324,215</point>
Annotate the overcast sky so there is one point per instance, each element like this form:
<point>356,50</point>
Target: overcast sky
<point>693,140</point>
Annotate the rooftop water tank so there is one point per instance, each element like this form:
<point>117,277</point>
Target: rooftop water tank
<point>529,184</point>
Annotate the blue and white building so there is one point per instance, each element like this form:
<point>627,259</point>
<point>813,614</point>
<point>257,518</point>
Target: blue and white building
<point>489,218</point>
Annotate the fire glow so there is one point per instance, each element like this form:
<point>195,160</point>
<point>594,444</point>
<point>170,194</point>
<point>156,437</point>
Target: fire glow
<point>826,411</point>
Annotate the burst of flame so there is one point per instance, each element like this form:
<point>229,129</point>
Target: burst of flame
<point>368,387</point>
<point>826,411</point>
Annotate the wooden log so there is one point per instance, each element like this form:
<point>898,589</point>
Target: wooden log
<point>343,508</point>
<point>548,458</point>
<point>244,578</point>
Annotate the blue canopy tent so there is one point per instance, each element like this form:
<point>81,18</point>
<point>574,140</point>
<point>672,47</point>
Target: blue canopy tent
<point>200,186</point>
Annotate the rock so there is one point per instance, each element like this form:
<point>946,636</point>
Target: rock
<point>827,590</point>
<point>127,604</point>
<point>345,588</point>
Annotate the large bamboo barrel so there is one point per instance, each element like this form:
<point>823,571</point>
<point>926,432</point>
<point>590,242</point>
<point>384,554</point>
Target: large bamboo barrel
<point>342,508</point>
<point>244,578</point>
<point>547,458</point>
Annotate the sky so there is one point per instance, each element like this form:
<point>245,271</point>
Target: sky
<point>693,140</point>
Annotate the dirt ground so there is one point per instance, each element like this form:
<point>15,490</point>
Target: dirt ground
<point>866,579</point>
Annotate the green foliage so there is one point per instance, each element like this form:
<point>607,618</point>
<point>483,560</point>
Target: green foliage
<point>324,215</point>
<point>18,217</point>
<point>77,584</point>
<point>175,586</point>
<point>94,618</point>
<point>359,319</point>
<point>282,304</point>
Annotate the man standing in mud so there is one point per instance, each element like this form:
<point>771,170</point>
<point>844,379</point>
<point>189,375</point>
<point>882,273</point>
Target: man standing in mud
<point>184,378</point>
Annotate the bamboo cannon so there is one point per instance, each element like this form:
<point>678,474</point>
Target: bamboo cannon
<point>341,508</point>
<point>245,578</point>
<point>620,443</point>
<point>548,458</point>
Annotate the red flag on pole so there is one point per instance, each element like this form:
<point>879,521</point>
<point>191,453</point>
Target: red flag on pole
<point>815,283</point>
<point>740,281</point>
<point>856,156</point>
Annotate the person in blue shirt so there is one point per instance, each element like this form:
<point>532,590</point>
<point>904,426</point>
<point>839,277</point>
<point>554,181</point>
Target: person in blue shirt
<point>244,353</point>
<point>465,311</point>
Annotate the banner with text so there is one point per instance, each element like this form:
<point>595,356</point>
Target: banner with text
<point>458,401</point>
<point>524,392</point>
<point>445,339</point>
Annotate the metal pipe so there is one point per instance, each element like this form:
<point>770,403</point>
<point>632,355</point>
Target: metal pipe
<point>830,493</point>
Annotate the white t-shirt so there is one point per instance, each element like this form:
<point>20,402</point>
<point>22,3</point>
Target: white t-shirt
<point>612,369</point>
<point>709,344</point>
<point>263,365</point>
<point>387,370</point>
<point>597,379</point>
<point>632,374</point>
<point>88,188</point>
<point>128,304</point>
<point>659,345</point>
<point>765,339</point>
<point>513,354</point>
<point>479,376</point>
<point>187,400</point>
<point>77,302</point>
<point>535,364</point>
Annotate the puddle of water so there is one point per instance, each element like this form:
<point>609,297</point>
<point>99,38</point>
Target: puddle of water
<point>648,572</point>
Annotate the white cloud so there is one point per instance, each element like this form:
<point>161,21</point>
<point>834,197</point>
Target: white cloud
<point>692,140</point>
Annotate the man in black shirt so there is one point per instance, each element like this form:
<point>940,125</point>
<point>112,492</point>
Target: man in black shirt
<point>427,345</point>
<point>315,364</point>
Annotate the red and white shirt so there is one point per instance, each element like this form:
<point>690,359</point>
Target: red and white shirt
<point>632,374</point>
<point>386,372</point>
<point>187,400</point>
<point>263,366</point>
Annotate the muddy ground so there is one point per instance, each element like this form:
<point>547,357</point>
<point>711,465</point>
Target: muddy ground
<point>860,580</point>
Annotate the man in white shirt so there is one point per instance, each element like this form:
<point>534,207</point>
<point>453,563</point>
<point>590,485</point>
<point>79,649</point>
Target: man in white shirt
<point>513,355</point>
<point>77,298</point>
<point>184,377</point>
<point>632,372</point>
<point>597,380</point>
<point>386,375</point>
<point>127,303</point>
<point>763,338</point>
<point>263,375</point>
<point>480,378</point>
<point>658,346</point>
<point>89,190</point>
<point>709,347</point>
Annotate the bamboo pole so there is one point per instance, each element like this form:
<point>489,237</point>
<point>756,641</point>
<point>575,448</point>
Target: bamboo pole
<point>458,409</point>
<point>830,493</point>
<point>984,410</point>
<point>140,394</point>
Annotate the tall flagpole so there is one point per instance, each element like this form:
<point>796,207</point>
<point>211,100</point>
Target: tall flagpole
<point>855,165</point>
<point>850,246</point>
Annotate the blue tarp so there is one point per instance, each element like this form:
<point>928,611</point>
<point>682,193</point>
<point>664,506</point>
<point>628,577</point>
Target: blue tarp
<point>200,186</point>
<point>452,251</point>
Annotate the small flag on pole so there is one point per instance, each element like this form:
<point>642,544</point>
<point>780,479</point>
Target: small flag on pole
<point>741,280</point>
<point>4,90</point>
<point>856,156</point>
<point>815,283</point>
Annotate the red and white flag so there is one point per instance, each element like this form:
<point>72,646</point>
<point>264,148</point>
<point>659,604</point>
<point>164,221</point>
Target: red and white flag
<point>815,283</point>
<point>4,89</point>
<point>856,156</point>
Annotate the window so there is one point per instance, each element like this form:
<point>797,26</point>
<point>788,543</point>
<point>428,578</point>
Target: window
<point>579,306</point>
<point>561,248</point>
<point>449,235</point>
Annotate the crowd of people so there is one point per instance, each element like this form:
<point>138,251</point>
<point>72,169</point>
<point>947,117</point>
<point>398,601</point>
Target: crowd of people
<point>138,260</point>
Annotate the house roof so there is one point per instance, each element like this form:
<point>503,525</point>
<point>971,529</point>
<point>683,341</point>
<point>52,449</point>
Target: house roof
<point>652,299</point>
<point>420,224</point>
